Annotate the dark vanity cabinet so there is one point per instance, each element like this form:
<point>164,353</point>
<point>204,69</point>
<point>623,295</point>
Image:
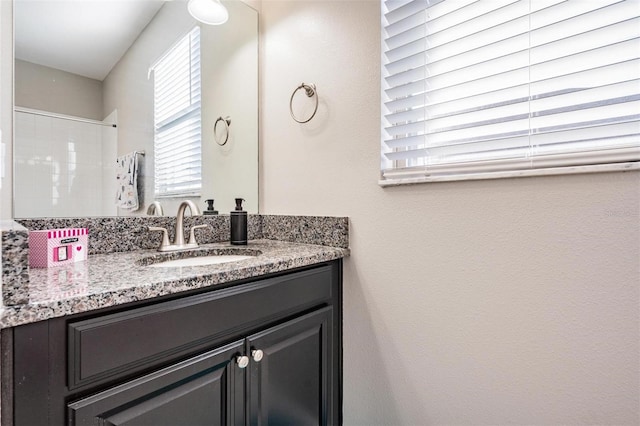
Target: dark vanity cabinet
<point>259,352</point>
<point>197,391</point>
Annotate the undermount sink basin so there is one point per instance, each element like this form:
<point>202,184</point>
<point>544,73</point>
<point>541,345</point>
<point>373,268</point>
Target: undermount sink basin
<point>198,257</point>
<point>200,261</point>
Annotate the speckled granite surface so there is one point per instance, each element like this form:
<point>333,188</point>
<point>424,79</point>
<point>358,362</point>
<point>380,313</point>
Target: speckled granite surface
<point>117,234</point>
<point>36,294</point>
<point>116,278</point>
<point>330,231</point>
<point>15,262</point>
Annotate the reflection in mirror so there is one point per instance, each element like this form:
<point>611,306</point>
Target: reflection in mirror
<point>84,96</point>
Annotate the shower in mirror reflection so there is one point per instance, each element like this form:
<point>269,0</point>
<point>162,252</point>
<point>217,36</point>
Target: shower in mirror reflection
<point>229,66</point>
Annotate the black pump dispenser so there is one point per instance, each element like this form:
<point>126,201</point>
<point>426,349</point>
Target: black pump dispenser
<point>210,209</point>
<point>239,224</point>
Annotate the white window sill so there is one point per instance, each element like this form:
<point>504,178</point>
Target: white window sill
<point>185,195</point>
<point>598,168</point>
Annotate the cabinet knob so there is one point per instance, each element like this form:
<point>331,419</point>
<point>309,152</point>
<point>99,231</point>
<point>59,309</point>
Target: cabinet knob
<point>257,355</point>
<point>242,361</point>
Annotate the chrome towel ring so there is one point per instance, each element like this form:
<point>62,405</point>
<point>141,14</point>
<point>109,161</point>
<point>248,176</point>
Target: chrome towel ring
<point>227,122</point>
<point>310,90</point>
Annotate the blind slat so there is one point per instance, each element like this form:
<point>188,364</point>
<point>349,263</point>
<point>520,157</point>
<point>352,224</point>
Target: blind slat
<point>177,119</point>
<point>475,87</point>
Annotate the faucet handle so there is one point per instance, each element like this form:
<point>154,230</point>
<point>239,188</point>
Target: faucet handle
<point>165,235</point>
<point>192,234</point>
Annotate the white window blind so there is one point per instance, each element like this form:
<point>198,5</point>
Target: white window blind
<point>475,88</point>
<point>177,140</point>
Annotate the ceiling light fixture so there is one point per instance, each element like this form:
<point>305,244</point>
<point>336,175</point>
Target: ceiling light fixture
<point>210,12</point>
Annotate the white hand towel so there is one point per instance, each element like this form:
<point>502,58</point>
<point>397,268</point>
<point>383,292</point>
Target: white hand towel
<point>127,181</point>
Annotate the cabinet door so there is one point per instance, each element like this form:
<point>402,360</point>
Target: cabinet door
<point>204,390</point>
<point>291,384</point>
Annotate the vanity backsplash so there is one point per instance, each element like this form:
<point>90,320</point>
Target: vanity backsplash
<point>118,234</point>
<point>124,234</point>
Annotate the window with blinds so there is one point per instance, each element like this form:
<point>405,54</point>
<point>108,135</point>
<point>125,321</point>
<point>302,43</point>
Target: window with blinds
<point>177,139</point>
<point>481,89</point>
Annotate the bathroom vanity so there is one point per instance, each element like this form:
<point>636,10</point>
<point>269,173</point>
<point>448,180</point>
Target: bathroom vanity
<point>252,342</point>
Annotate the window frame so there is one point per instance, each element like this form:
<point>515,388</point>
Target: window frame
<point>494,168</point>
<point>188,117</point>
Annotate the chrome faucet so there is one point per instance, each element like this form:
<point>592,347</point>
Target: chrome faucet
<point>195,211</point>
<point>155,209</point>
<point>178,241</point>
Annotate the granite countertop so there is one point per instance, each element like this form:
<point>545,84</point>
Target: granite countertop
<point>116,278</point>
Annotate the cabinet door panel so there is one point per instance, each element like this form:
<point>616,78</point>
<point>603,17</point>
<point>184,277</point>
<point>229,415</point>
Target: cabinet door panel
<point>199,391</point>
<point>99,347</point>
<point>290,385</point>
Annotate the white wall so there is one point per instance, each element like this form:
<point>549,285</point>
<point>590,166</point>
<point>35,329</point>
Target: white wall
<point>511,301</point>
<point>58,167</point>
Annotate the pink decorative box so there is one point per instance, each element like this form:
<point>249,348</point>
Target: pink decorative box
<point>54,247</point>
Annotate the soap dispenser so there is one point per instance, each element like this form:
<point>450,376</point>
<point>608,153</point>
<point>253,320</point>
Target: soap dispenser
<point>210,209</point>
<point>239,224</point>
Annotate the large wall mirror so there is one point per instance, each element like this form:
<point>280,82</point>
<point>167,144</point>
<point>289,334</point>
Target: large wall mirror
<point>84,97</point>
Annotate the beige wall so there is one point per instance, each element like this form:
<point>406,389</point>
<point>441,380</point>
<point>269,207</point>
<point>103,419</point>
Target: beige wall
<point>512,301</point>
<point>128,90</point>
<point>53,90</point>
<point>229,87</point>
<point>492,302</point>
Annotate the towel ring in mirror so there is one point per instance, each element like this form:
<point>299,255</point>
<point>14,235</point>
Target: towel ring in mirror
<point>227,122</point>
<point>310,90</point>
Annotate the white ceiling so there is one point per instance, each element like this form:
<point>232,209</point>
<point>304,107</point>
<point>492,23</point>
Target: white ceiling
<point>85,37</point>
